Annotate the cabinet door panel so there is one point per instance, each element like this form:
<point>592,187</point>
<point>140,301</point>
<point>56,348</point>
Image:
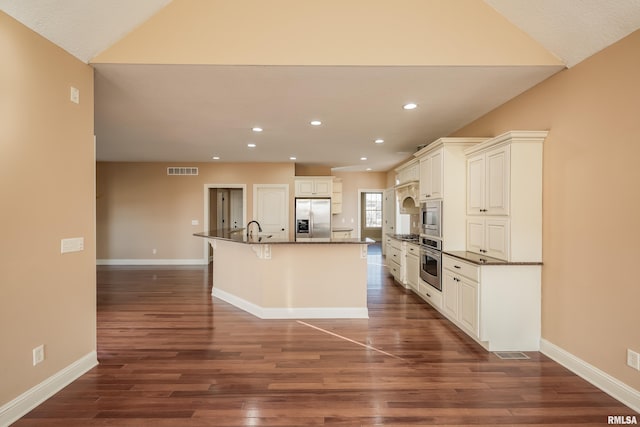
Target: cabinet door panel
<point>436,175</point>
<point>322,188</point>
<point>475,235</point>
<point>497,181</point>
<point>475,185</point>
<point>497,238</point>
<point>449,295</point>
<point>468,309</point>
<point>425,178</point>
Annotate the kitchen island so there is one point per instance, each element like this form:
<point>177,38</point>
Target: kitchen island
<point>283,279</point>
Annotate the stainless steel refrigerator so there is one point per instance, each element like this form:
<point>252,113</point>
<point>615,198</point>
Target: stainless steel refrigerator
<point>313,220</point>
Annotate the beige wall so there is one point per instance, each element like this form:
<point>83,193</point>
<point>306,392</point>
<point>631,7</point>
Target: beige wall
<point>362,32</point>
<point>591,202</point>
<point>47,192</point>
<point>351,183</point>
<point>141,208</point>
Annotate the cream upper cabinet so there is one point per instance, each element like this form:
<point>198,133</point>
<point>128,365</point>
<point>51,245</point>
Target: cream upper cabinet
<point>488,180</point>
<point>336,197</point>
<point>442,176</point>
<point>504,196</point>
<point>408,172</point>
<point>314,187</point>
<point>431,175</point>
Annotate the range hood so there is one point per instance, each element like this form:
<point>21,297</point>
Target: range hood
<point>408,200</point>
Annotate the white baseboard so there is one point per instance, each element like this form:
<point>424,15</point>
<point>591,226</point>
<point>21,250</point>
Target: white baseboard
<point>197,261</point>
<point>292,313</point>
<point>605,382</point>
<point>21,405</point>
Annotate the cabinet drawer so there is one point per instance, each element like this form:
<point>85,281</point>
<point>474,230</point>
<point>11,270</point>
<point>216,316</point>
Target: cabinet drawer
<point>430,294</point>
<point>396,244</point>
<point>394,254</point>
<point>413,249</point>
<point>460,267</point>
<point>394,269</point>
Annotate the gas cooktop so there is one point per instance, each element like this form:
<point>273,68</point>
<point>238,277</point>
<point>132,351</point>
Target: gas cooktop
<point>407,237</point>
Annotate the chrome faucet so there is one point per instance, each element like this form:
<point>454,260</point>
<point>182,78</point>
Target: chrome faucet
<point>249,228</point>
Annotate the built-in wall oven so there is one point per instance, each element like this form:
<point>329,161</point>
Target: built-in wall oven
<point>431,218</point>
<point>431,261</point>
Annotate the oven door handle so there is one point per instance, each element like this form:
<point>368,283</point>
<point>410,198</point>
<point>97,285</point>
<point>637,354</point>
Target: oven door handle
<point>434,254</point>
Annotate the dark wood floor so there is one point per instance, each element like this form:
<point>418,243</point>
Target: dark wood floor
<point>171,356</point>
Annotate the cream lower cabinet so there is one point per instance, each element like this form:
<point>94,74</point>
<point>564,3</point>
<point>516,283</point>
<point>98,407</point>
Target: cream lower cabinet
<point>497,305</point>
<point>412,259</point>
<point>394,259</point>
<point>460,301</point>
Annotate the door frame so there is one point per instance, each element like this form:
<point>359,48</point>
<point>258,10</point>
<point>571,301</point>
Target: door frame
<point>285,187</point>
<point>365,190</point>
<point>207,201</point>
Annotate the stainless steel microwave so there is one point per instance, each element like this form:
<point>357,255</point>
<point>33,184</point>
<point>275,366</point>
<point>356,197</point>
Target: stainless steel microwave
<point>431,218</point>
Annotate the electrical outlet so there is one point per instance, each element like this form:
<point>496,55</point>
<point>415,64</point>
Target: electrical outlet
<point>195,222</point>
<point>633,359</point>
<point>154,251</point>
<point>75,95</point>
<point>38,355</point>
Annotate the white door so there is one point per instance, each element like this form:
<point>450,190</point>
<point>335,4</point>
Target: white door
<point>271,209</point>
<point>235,208</point>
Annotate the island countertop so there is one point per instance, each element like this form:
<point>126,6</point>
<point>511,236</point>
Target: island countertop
<point>239,235</point>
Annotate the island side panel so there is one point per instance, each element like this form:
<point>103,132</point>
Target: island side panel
<point>236,271</point>
<point>315,275</point>
<point>314,280</point>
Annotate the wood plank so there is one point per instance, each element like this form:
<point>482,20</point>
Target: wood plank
<point>171,355</point>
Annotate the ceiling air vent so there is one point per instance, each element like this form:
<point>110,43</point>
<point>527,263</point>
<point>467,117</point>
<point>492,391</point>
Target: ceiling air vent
<point>182,171</point>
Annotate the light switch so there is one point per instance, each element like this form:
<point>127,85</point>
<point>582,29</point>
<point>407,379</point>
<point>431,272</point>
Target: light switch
<point>75,244</point>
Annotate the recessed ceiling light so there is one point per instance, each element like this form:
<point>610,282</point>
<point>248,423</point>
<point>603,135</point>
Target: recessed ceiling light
<point>315,122</point>
<point>251,145</point>
<point>379,141</point>
<point>368,169</point>
<point>292,158</point>
<point>216,157</point>
<point>256,129</point>
<point>410,106</point>
<point>363,158</point>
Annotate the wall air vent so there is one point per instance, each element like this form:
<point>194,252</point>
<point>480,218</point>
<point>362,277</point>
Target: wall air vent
<point>182,171</point>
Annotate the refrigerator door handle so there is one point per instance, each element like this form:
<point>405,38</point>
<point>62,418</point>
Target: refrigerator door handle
<point>311,223</point>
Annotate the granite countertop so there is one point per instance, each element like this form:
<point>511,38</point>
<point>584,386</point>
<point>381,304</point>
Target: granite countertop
<point>239,235</point>
<point>483,259</point>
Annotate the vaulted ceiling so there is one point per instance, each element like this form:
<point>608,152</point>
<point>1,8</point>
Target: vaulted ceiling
<point>186,80</point>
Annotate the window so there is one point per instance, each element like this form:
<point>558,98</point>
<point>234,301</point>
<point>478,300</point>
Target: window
<point>373,210</point>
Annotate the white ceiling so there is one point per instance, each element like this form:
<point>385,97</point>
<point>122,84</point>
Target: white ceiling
<point>190,113</point>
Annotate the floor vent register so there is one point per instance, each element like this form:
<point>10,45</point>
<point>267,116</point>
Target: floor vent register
<point>511,355</point>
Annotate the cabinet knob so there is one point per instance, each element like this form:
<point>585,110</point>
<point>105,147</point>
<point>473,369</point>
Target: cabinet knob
<point>428,294</point>
<point>456,266</point>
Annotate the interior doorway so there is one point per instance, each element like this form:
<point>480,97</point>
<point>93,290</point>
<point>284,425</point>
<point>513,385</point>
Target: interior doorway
<point>225,207</point>
<point>370,214</point>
